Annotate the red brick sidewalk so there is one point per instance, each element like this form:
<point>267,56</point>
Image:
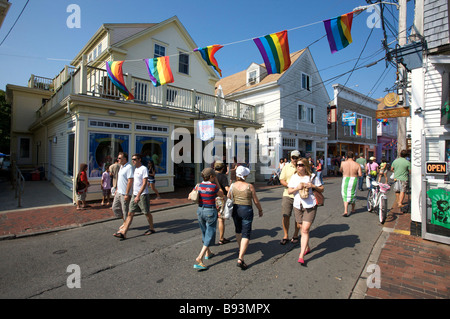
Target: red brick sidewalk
<point>411,267</point>
<point>39,220</point>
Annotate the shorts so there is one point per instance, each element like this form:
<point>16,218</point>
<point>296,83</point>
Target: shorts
<point>143,205</point>
<point>243,219</point>
<point>400,186</point>
<point>286,206</point>
<point>120,206</point>
<point>81,196</point>
<point>305,214</point>
<point>151,181</point>
<point>106,192</point>
<point>207,220</point>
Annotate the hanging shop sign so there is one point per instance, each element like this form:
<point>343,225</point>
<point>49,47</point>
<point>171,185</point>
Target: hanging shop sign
<point>394,112</point>
<point>348,119</point>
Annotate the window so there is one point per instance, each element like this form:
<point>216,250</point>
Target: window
<point>306,114</point>
<point>24,147</point>
<point>153,148</point>
<point>289,142</point>
<point>109,124</point>
<point>183,63</point>
<point>366,128</point>
<point>305,82</point>
<point>103,149</point>
<point>99,49</point>
<point>252,77</point>
<point>259,112</point>
<point>159,51</point>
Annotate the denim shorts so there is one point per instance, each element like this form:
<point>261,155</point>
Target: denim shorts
<point>243,218</point>
<point>207,220</point>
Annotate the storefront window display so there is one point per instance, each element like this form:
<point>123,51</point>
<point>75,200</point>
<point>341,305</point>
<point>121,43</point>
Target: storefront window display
<point>103,149</point>
<point>154,149</point>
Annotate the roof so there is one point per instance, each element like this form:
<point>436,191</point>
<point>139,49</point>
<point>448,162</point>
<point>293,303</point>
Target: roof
<point>238,82</point>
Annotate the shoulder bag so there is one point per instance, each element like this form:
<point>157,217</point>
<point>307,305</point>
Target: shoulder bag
<point>228,208</point>
<point>194,196</point>
<point>320,199</point>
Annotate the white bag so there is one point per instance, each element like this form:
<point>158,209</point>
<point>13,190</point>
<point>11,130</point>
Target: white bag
<point>368,182</point>
<point>228,208</point>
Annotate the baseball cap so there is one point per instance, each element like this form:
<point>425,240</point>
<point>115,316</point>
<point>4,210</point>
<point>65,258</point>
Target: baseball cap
<point>372,158</point>
<point>242,172</point>
<point>295,153</point>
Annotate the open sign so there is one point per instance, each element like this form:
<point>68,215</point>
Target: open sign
<point>436,168</point>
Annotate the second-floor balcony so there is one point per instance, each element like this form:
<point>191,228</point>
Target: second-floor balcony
<point>91,81</point>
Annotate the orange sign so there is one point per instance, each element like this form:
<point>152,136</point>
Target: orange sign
<point>393,112</point>
<point>436,167</point>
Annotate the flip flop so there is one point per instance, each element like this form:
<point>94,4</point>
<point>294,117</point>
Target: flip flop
<point>119,235</point>
<point>284,241</point>
<point>149,232</point>
<point>200,266</point>
<point>294,240</point>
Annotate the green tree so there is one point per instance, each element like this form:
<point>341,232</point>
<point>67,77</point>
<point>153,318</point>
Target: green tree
<point>5,123</point>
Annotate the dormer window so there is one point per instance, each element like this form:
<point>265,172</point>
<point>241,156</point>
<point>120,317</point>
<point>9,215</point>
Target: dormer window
<point>252,77</point>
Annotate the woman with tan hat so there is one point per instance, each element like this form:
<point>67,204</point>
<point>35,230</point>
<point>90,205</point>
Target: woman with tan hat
<point>243,195</point>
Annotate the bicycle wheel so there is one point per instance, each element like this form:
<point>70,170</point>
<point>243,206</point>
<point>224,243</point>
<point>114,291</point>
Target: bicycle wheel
<point>370,203</point>
<point>383,209</point>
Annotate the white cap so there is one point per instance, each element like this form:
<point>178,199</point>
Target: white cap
<point>242,172</point>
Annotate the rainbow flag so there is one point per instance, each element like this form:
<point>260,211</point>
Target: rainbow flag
<point>159,70</point>
<point>359,127</point>
<point>208,55</point>
<point>339,31</point>
<point>274,49</point>
<point>114,69</point>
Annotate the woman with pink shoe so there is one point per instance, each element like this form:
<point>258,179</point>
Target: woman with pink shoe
<point>305,206</point>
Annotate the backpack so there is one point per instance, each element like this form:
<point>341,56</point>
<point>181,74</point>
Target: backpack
<point>80,185</point>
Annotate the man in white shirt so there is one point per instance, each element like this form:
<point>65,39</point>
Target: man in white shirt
<point>122,197</point>
<point>140,201</point>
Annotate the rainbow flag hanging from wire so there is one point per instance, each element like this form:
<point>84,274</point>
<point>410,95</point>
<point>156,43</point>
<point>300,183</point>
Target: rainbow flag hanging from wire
<point>208,55</point>
<point>339,31</point>
<point>115,73</point>
<point>159,70</point>
<point>274,49</point>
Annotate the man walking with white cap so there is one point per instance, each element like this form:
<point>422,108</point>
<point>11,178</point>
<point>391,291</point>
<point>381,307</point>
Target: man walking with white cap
<point>287,201</point>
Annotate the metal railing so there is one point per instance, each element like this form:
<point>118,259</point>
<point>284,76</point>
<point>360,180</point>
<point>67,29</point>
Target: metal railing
<point>18,183</point>
<point>97,83</point>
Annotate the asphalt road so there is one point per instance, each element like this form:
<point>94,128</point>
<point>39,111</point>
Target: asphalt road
<point>161,265</point>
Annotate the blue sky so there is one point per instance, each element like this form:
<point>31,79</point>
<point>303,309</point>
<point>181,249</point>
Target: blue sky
<point>41,43</point>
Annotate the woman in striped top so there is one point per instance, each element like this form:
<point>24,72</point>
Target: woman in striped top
<point>208,190</point>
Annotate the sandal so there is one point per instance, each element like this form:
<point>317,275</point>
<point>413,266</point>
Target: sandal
<point>119,235</point>
<point>294,240</point>
<point>149,232</point>
<point>224,241</point>
<point>241,264</point>
<point>284,241</point>
<point>200,266</point>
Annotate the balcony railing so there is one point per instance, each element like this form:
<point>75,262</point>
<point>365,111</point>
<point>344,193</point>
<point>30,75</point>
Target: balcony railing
<point>95,82</point>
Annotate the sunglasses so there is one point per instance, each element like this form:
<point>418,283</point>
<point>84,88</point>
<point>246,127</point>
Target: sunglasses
<point>294,157</point>
<point>300,165</point>
<point>134,159</point>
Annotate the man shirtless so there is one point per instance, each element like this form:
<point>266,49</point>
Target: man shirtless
<point>350,172</point>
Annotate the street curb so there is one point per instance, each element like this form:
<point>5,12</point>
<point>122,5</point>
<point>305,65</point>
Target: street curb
<point>360,288</point>
<point>72,226</point>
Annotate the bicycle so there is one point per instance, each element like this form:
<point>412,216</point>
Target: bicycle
<point>377,198</point>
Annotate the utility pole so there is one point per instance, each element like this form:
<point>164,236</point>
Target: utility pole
<point>403,80</point>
